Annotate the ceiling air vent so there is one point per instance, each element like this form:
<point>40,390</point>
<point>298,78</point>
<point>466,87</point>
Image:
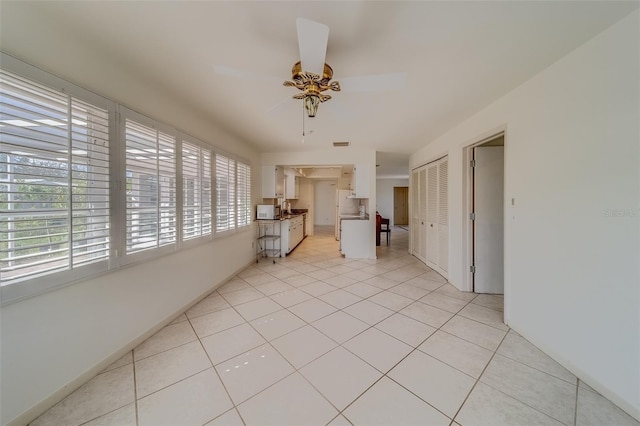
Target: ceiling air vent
<point>337,144</point>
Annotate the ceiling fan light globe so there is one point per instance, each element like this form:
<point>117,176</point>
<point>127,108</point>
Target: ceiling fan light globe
<point>311,103</point>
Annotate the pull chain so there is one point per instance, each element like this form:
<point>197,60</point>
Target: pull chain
<point>302,122</point>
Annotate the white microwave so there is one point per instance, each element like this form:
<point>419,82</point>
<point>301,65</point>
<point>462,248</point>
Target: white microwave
<point>267,211</point>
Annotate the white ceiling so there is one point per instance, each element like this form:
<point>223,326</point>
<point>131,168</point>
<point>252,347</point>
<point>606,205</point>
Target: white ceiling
<point>457,56</point>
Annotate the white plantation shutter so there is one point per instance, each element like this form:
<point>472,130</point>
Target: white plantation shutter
<point>225,193</point>
<point>151,186</point>
<point>196,191</point>
<point>244,205</point>
<point>54,181</point>
<point>207,193</point>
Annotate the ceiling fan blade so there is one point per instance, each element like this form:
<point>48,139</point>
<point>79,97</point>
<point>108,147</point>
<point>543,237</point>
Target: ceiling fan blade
<point>276,107</point>
<point>312,42</point>
<point>248,75</point>
<point>374,82</point>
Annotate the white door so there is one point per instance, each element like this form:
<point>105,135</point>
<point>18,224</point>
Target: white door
<point>415,213</point>
<point>443,216</point>
<point>422,198</point>
<point>325,203</point>
<point>437,224</point>
<point>419,214</point>
<point>432,215</point>
<point>488,190</point>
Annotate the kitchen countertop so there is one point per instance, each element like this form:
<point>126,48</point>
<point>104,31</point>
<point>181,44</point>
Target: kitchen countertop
<point>290,216</point>
<point>354,217</point>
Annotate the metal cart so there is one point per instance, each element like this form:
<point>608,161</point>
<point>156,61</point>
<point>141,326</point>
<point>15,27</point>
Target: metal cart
<point>268,242</point>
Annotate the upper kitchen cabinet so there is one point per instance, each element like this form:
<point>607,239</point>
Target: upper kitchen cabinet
<point>272,182</point>
<point>291,185</point>
<point>360,179</point>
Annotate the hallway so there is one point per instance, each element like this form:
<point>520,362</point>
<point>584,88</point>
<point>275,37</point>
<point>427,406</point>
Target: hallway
<point>316,339</point>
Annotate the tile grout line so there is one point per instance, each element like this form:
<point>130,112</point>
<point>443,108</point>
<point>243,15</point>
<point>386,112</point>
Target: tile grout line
<point>575,411</point>
<point>508,395</point>
<point>296,370</point>
<point>385,374</point>
<point>479,376</point>
<point>213,367</point>
<point>135,387</point>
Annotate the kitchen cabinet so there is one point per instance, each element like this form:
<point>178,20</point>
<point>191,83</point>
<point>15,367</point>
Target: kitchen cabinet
<point>360,181</point>
<point>272,182</point>
<point>291,233</point>
<point>285,225</point>
<point>291,185</point>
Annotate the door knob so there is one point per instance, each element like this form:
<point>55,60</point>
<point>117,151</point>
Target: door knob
<point>431,225</point>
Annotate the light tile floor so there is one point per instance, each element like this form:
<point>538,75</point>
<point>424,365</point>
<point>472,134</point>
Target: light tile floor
<point>316,339</point>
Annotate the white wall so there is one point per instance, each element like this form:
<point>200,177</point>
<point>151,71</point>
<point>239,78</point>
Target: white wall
<point>54,342</point>
<point>572,156</point>
<point>384,196</point>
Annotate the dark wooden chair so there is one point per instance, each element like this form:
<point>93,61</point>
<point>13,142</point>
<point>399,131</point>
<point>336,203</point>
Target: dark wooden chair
<point>385,228</point>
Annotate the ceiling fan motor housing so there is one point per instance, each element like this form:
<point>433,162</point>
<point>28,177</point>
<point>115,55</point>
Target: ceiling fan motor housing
<point>297,73</point>
<point>312,85</point>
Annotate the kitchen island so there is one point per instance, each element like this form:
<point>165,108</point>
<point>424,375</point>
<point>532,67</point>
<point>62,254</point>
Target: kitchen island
<point>354,237</point>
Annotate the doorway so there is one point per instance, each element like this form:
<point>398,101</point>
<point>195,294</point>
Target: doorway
<point>400,205</point>
<point>325,203</point>
<point>486,216</point>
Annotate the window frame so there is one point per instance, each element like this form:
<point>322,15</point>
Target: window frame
<point>235,228</point>
<point>47,281</point>
<point>121,257</point>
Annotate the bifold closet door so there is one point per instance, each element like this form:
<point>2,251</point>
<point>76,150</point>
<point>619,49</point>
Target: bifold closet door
<point>437,229</point>
<point>443,216</point>
<point>418,214</point>
<point>430,215</point>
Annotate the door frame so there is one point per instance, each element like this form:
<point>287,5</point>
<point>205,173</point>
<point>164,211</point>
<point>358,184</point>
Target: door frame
<point>467,206</point>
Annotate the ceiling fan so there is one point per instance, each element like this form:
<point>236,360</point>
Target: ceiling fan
<point>312,76</point>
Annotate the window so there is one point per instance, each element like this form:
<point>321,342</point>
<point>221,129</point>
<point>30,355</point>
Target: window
<point>54,181</point>
<point>196,191</point>
<point>150,187</point>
